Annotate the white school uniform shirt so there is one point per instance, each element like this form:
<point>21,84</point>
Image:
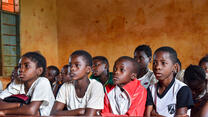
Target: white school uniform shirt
<point>119,101</point>
<point>93,98</point>
<point>166,105</point>
<point>148,79</point>
<point>40,90</point>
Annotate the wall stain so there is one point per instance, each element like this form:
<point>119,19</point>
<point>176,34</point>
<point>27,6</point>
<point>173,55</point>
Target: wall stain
<point>114,28</point>
<point>42,9</point>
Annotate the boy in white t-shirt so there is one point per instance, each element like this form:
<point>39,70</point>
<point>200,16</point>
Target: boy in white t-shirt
<point>82,96</point>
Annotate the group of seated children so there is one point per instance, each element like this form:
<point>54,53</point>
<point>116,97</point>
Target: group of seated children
<point>57,78</point>
<point>132,89</point>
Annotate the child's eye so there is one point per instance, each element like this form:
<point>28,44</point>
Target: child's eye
<point>26,65</point>
<point>122,70</point>
<point>77,65</point>
<point>163,63</point>
<point>141,58</point>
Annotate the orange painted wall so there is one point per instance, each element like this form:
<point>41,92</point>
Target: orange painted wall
<point>38,29</point>
<point>114,28</point>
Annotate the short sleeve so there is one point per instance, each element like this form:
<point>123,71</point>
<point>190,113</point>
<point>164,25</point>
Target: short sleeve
<point>184,98</point>
<point>149,98</point>
<point>61,96</point>
<point>5,94</point>
<point>96,100</point>
<point>42,92</point>
<point>13,88</point>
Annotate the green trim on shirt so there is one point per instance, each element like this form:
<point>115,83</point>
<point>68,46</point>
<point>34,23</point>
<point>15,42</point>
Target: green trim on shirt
<point>109,81</point>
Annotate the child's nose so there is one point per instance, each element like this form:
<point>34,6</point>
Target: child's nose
<point>20,69</point>
<point>72,68</point>
<point>115,72</point>
<point>157,66</point>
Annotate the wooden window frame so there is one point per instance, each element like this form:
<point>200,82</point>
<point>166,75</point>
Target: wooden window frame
<point>5,71</point>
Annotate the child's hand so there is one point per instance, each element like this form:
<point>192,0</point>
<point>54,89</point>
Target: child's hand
<point>154,113</point>
<point>2,113</point>
<point>81,111</point>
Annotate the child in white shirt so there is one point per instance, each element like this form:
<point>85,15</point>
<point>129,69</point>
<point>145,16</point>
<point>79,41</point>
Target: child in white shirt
<point>31,69</point>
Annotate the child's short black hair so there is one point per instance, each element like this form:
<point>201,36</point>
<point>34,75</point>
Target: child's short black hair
<point>194,73</point>
<point>145,48</point>
<point>52,67</point>
<point>85,55</point>
<point>103,59</point>
<point>171,51</point>
<point>38,59</point>
<point>134,63</point>
<point>204,59</point>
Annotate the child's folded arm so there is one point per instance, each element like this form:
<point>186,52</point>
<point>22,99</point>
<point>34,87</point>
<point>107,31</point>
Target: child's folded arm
<point>30,109</point>
<point>6,105</point>
<point>90,112</point>
<point>58,110</point>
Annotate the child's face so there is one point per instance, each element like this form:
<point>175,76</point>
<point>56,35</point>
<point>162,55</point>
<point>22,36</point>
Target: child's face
<point>50,75</point>
<point>163,66</point>
<point>78,68</point>
<point>28,70</point>
<point>122,72</point>
<point>196,88</point>
<point>98,67</point>
<point>204,65</point>
<point>65,74</point>
<point>142,59</point>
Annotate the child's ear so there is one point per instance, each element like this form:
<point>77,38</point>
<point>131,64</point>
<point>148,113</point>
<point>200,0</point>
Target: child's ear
<point>39,71</point>
<point>106,67</point>
<point>89,69</point>
<point>175,67</point>
<point>133,76</point>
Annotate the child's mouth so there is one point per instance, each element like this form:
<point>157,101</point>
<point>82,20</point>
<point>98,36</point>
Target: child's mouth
<point>115,79</point>
<point>21,76</point>
<point>158,74</point>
